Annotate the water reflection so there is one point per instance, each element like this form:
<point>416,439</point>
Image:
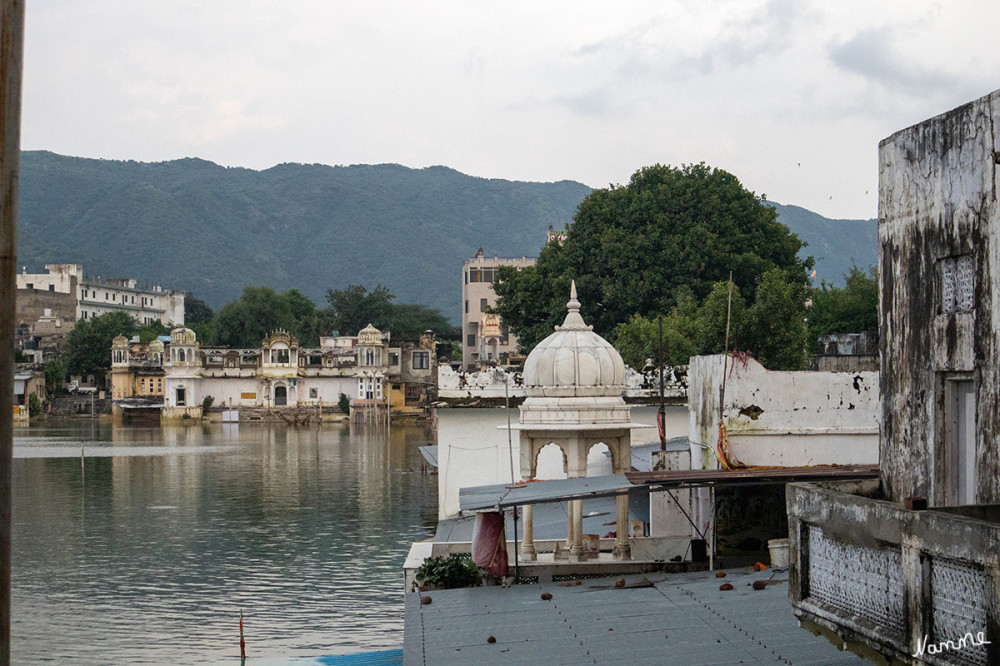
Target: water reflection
<point>148,555</point>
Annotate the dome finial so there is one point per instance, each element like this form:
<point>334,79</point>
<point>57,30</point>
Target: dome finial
<point>573,321</point>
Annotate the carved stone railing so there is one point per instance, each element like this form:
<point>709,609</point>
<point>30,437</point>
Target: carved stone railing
<point>917,586</point>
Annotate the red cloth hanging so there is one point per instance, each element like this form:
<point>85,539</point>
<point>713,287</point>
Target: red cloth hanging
<point>489,547</point>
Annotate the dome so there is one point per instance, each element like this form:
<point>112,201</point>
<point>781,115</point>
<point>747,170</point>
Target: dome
<point>369,335</point>
<point>182,336</point>
<point>574,361</point>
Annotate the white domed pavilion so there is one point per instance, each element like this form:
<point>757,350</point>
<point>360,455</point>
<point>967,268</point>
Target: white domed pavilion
<point>574,381</point>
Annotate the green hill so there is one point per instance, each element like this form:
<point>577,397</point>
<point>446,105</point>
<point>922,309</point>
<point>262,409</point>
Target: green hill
<point>834,244</point>
<point>193,225</point>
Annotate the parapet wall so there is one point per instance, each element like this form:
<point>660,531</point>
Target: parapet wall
<point>497,383</point>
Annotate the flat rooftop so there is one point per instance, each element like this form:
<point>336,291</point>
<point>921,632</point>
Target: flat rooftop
<point>654,619</point>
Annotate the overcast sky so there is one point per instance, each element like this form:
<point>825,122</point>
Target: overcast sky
<point>792,96</point>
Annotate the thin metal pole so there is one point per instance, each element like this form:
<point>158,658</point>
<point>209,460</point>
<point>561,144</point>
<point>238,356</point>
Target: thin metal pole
<point>510,443</point>
<point>725,362</point>
<point>663,408</point>
<point>11,67</point>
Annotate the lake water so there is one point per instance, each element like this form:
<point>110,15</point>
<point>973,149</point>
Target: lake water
<point>148,549</point>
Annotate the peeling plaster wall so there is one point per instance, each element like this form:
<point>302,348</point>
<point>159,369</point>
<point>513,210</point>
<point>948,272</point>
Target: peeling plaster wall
<point>782,418</point>
<point>937,200</point>
<point>490,383</point>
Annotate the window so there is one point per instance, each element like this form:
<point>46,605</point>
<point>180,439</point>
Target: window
<point>958,284</point>
<point>181,395</point>
<point>393,358</point>
<point>470,340</point>
<point>504,334</point>
<point>421,360</point>
<point>31,285</point>
<point>466,306</point>
<point>483,305</point>
<point>475,275</point>
<point>313,393</point>
<point>52,287</point>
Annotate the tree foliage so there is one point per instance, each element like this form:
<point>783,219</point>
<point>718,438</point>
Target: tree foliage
<point>55,374</point>
<point>355,307</point>
<point>772,328</point>
<point>853,309</point>
<point>664,245</point>
<point>258,313</point>
<point>196,311</point>
<point>88,344</point>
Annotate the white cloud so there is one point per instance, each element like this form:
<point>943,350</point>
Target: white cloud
<point>535,91</point>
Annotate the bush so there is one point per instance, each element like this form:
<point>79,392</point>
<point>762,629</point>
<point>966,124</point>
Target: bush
<point>34,405</point>
<point>344,403</point>
<point>206,404</point>
<point>453,572</point>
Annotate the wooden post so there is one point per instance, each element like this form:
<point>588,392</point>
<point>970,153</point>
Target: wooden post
<point>11,65</point>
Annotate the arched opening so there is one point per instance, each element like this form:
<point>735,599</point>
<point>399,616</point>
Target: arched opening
<point>550,462</point>
<point>280,396</point>
<point>599,460</point>
<point>180,355</point>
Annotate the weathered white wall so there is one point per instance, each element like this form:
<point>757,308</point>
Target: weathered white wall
<point>938,183</point>
<point>454,385</point>
<point>786,419</point>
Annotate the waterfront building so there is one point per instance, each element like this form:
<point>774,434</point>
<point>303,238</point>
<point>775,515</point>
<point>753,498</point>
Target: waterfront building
<point>65,292</point>
<point>182,373</point>
<point>910,568</point>
<point>485,339</point>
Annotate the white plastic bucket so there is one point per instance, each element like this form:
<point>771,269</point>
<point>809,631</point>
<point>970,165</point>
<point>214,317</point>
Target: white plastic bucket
<point>779,552</point>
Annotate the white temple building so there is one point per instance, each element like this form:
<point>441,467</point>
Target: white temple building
<point>574,381</point>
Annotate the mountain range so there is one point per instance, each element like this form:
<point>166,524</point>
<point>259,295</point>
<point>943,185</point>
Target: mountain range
<point>196,226</point>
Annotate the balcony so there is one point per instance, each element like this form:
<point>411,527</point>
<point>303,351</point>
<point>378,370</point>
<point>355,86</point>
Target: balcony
<point>880,576</point>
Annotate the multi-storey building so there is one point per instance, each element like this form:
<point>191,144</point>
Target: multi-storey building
<point>485,339</point>
<point>278,374</point>
<point>67,293</point>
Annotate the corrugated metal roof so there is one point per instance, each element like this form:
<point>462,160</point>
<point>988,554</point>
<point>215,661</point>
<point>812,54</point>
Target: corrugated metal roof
<point>479,498</point>
<point>485,498</point>
<point>753,475</point>
<point>654,619</point>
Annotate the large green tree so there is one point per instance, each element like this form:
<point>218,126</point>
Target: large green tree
<point>772,328</point>
<point>88,344</point>
<point>246,322</point>
<point>355,307</point>
<point>631,250</point>
<point>196,311</point>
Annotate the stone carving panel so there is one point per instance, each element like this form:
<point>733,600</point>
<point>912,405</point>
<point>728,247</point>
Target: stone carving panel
<point>857,580</point>
<point>960,600</point>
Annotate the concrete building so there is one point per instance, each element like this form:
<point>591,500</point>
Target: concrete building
<point>485,339</point>
<point>911,569</point>
<point>66,293</point>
